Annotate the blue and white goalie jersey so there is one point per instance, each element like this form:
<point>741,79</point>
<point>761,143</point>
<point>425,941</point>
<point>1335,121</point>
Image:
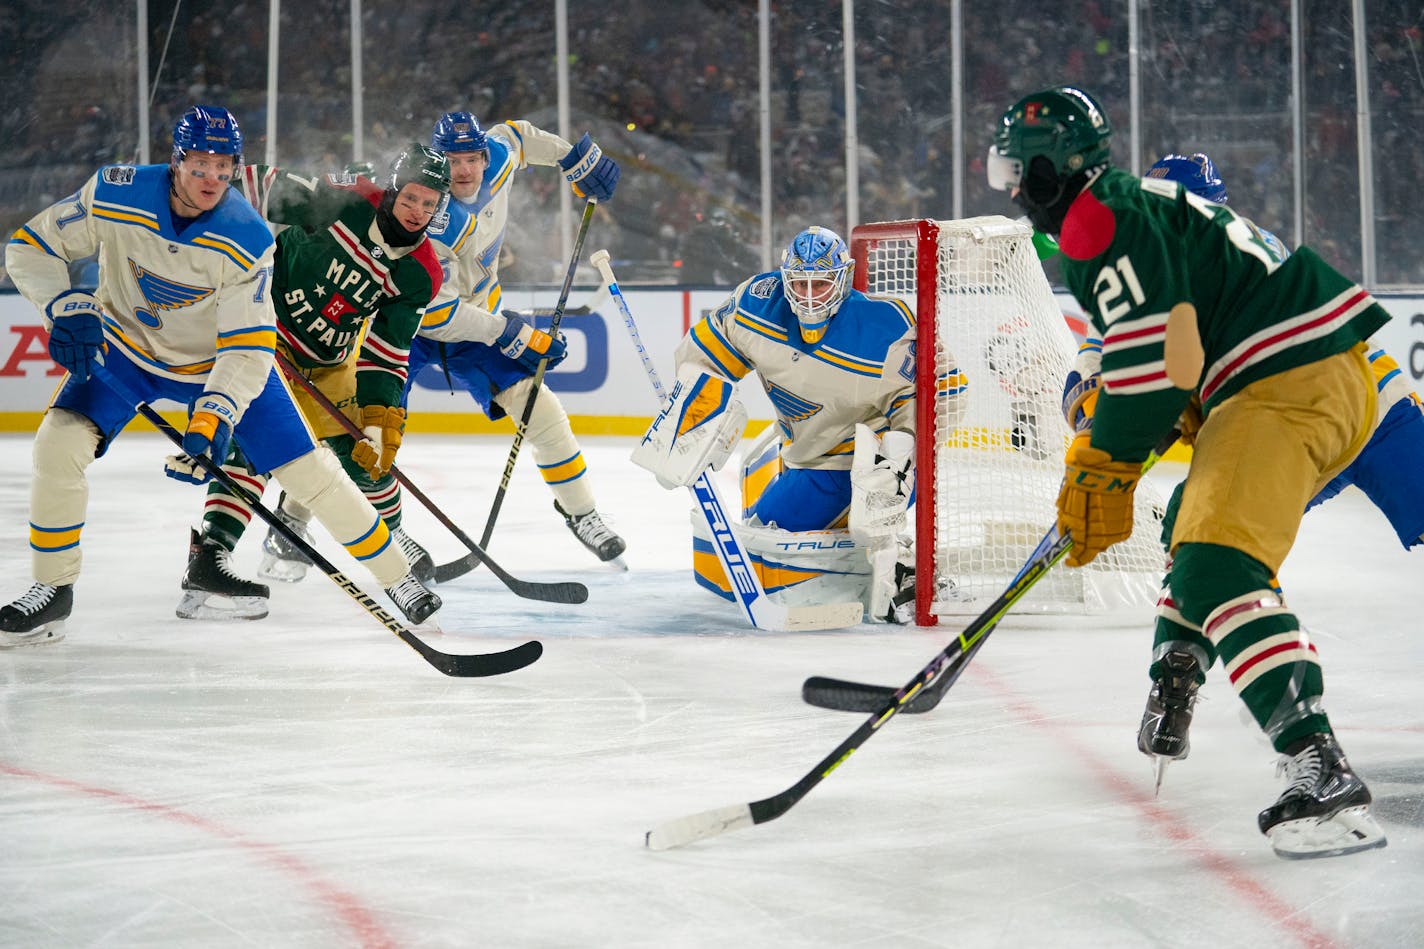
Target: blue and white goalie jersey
<point>189,306</point>
<point>862,370</point>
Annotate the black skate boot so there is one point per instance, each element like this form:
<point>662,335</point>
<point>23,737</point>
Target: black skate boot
<point>594,534</point>
<point>1325,809</point>
<point>414,600</point>
<point>36,617</point>
<point>1162,735</point>
<point>282,560</point>
<point>416,556</point>
<point>213,590</point>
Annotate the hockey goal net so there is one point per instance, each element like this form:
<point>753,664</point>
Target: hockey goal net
<point>992,353</point>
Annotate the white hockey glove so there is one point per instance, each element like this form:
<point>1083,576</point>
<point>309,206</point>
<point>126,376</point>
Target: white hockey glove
<point>697,429</point>
<point>882,478</point>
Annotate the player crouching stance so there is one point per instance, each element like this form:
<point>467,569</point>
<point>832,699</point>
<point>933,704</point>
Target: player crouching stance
<point>180,313</point>
<point>1189,302</point>
<point>839,368</point>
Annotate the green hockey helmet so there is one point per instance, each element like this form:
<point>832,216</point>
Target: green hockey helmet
<point>1043,143</point>
<point>422,165</point>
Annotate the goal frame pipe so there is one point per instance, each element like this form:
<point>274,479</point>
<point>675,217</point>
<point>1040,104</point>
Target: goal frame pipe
<point>925,234</point>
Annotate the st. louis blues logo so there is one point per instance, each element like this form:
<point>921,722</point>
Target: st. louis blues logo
<point>790,408</point>
<point>162,294</point>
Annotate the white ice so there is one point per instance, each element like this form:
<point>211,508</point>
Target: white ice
<point>308,780</point>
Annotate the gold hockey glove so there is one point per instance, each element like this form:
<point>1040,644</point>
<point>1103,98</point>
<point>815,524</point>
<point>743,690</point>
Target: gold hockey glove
<point>1095,502</point>
<point>383,425</point>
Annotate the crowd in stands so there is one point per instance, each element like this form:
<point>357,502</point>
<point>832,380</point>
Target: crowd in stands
<point>671,90</point>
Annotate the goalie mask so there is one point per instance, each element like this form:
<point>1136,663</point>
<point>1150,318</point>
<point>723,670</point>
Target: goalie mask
<point>1046,149</point>
<point>1197,174</point>
<point>417,165</point>
<point>815,276</point>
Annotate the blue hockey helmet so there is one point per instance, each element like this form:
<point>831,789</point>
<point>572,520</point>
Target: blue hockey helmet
<point>207,128</point>
<point>1197,174</point>
<point>458,132</point>
<point>815,275</point>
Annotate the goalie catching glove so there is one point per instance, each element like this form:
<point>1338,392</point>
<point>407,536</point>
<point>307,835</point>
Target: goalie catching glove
<point>1095,502</point>
<point>384,425</point>
<point>696,430</point>
<point>882,478</point>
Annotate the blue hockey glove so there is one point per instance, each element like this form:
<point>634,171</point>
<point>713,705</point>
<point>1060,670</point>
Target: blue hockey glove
<point>209,432</point>
<point>76,336</point>
<point>520,341</point>
<point>590,172</point>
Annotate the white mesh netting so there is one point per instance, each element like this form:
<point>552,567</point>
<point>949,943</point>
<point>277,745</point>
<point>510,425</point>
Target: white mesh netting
<point>1002,437</point>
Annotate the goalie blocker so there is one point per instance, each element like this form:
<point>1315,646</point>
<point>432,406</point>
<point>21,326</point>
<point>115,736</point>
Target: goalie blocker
<point>696,430</point>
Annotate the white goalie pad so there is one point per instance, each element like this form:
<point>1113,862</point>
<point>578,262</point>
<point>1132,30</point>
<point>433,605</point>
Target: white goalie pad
<point>796,568</point>
<point>696,430</point>
<point>882,476</point>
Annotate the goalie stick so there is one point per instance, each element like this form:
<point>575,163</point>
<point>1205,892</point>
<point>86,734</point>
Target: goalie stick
<point>566,592</point>
<point>951,660</point>
<point>758,608</point>
<point>462,666</point>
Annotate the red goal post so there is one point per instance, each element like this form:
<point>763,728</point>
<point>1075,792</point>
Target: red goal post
<point>992,351</point>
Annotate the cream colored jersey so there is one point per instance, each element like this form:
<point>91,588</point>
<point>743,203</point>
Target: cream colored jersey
<point>189,306</point>
<point>862,370</point>
<point>468,236</point>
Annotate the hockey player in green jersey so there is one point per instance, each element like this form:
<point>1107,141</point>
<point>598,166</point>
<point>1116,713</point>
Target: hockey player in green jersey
<point>1190,300</point>
<point>353,271</point>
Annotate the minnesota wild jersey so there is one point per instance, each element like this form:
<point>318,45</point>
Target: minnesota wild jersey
<point>335,278</point>
<point>1133,248</point>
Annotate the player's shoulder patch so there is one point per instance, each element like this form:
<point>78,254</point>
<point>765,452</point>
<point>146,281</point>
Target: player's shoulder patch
<point>342,179</point>
<point>765,287</point>
<point>118,175</point>
<point>1088,228</point>
<point>439,221</point>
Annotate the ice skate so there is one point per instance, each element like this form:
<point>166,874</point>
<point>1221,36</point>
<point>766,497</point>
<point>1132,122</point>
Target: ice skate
<point>1325,809</point>
<point>281,559</point>
<point>1162,735</point>
<point>213,590</point>
<point>594,534</point>
<point>37,617</point>
<point>416,556</point>
<point>414,600</point>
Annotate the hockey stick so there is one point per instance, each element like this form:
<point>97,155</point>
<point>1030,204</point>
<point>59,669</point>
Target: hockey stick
<point>538,377</point>
<point>845,696</point>
<point>957,654</point>
<point>842,695</point>
<point>464,666</point>
<point>758,608</point>
<point>445,572</point>
<point>568,592</point>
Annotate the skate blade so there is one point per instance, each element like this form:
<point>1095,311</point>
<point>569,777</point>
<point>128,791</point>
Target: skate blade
<point>1350,831</point>
<point>48,633</point>
<point>1159,770</point>
<point>197,604</point>
<point>617,563</point>
<point>281,570</point>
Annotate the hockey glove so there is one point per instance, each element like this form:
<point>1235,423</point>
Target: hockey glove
<point>590,172</point>
<point>1095,502</point>
<point>384,425</point>
<point>526,345</point>
<point>210,421</point>
<point>76,336</point>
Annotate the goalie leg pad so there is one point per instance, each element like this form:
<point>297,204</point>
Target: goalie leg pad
<point>761,463</point>
<point>797,568</point>
<point>696,430</point>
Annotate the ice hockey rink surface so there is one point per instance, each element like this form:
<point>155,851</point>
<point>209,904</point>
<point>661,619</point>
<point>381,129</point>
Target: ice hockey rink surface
<point>307,780</point>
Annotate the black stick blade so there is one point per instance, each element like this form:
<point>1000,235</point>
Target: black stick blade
<point>477,665</point>
<point>445,572</point>
<point>841,695</point>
